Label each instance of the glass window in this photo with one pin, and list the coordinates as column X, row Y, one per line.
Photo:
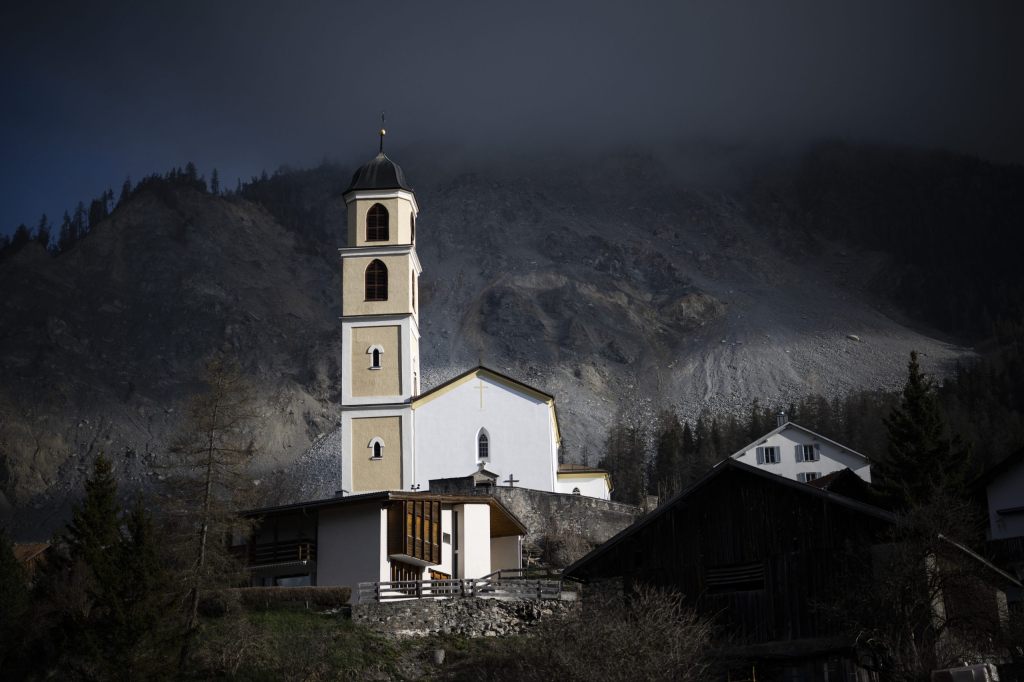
column 377, row 224
column 376, row 281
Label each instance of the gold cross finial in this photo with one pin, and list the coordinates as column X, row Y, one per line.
column 383, row 132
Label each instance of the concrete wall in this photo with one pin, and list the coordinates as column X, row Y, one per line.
column 588, row 485
column 349, row 547
column 380, row 381
column 384, row 473
column 403, row 355
column 475, row 539
column 522, row 440
column 1006, row 492
column 506, row 552
column 832, row 458
column 353, row 283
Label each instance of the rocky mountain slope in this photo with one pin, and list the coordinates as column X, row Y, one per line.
column 609, row 282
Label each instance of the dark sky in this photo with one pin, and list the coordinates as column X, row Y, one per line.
column 96, row 90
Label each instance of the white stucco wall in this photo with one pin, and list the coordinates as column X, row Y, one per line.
column 506, row 552
column 446, row 547
column 1006, row 492
column 590, row 486
column 475, row 540
column 349, row 546
column 832, row 458
column 521, row 435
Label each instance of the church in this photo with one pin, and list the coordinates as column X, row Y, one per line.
column 482, row 425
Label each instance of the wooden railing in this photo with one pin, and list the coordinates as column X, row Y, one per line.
column 495, row 588
column 280, row 552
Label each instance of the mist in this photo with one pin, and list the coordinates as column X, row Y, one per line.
column 100, row 91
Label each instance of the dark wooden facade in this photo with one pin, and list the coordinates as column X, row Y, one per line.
column 414, row 529
column 765, row 556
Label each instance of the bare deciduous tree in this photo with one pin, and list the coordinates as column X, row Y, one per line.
column 208, row 485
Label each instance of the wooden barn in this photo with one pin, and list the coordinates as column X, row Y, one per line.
column 765, row 556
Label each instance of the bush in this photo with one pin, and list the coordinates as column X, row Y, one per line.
column 221, row 602
column 650, row 635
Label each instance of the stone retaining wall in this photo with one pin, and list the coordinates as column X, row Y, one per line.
column 466, row 617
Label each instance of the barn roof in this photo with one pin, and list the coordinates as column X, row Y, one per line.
column 720, row 469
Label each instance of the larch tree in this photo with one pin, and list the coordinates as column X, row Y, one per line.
column 209, row 462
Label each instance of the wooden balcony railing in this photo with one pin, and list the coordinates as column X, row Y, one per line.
column 264, row 553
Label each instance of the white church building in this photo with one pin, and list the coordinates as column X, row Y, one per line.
column 395, row 437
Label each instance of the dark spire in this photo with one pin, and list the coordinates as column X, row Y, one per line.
column 382, row 132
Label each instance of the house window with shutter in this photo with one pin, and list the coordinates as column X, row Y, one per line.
column 808, row 476
column 808, row 453
column 769, row 454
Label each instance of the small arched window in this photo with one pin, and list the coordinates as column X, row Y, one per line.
column 374, row 352
column 576, row 491
column 377, row 224
column 412, row 228
column 376, row 448
column 376, row 281
column 483, row 446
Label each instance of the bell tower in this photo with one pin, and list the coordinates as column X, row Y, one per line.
column 380, row 327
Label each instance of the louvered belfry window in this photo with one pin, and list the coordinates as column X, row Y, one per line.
column 377, row 224
column 376, row 281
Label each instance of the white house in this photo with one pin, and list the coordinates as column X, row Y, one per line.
column 382, row 537
column 795, row 452
column 394, row 436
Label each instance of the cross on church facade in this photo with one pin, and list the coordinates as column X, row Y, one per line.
column 511, row 481
column 480, row 387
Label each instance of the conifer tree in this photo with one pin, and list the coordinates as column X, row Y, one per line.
column 22, row 236
column 126, row 191
column 92, row 532
column 624, row 459
column 214, row 183
column 667, row 457
column 922, row 459
column 14, row 597
column 43, row 232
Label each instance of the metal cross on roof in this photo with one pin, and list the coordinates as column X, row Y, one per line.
column 383, row 132
column 511, row 481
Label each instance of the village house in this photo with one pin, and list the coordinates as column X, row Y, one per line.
column 1003, row 492
column 797, row 453
column 381, row 537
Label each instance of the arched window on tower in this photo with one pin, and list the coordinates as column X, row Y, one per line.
column 483, row 446
column 376, row 448
column 412, row 228
column 377, row 224
column 376, row 281
column 375, row 353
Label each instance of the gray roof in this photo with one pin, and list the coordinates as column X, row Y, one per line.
column 380, row 173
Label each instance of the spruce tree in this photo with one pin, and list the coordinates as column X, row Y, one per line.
column 126, row 191
column 922, row 460
column 214, row 182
